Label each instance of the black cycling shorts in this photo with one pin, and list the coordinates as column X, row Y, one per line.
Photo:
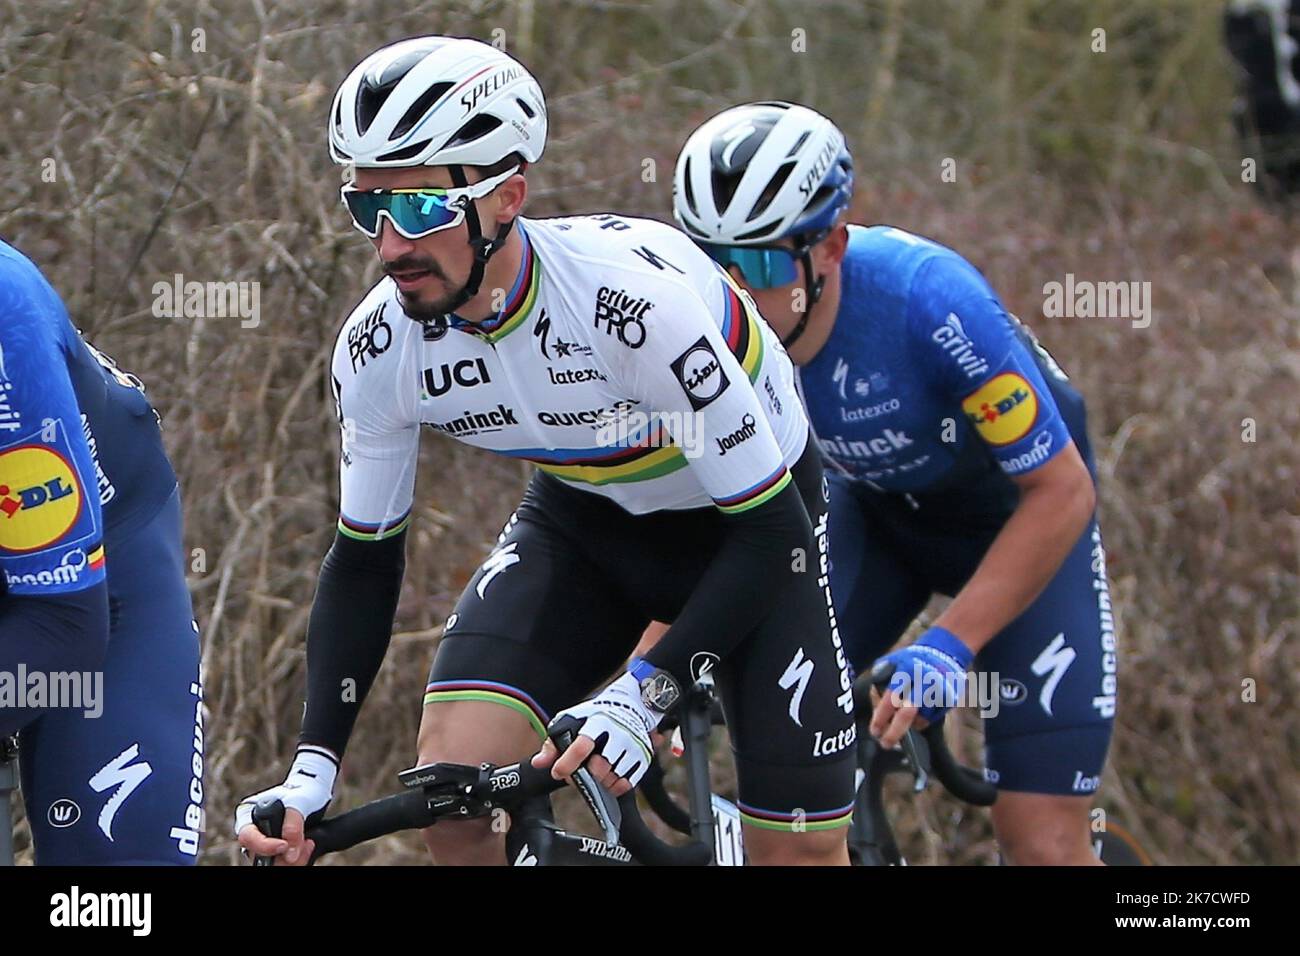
column 554, row 611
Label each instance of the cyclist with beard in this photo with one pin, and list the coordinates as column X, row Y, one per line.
column 675, row 476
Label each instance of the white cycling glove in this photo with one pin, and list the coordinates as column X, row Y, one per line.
column 620, row 724
column 308, row 788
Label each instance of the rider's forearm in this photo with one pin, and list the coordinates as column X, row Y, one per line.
column 1023, row 559
column 348, row 633
column 749, row 573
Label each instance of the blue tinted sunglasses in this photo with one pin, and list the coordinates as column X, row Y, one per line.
column 415, row 213
column 763, row 267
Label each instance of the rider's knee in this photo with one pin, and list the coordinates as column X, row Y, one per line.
column 776, row 848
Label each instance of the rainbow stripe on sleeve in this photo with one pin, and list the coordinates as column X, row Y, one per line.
column 755, row 495
column 363, row 531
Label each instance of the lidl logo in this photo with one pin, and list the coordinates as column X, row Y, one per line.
column 1003, row 410
column 40, row 499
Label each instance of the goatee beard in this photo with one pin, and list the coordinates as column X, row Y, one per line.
column 425, row 312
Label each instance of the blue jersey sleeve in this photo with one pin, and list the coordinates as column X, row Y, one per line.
column 983, row 365
column 51, row 526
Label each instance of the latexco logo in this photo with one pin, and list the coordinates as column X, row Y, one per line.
column 75, row 909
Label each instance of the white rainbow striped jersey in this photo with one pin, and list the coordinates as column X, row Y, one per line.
column 624, row 362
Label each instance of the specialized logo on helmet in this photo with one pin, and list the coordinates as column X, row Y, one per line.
column 700, row 374
column 483, row 88
column 812, row 179
column 40, row 498
column 1003, row 410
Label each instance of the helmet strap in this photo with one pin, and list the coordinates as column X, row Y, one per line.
column 814, row 289
column 483, row 247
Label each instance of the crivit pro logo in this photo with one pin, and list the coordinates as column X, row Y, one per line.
column 1003, row 410
column 40, row 499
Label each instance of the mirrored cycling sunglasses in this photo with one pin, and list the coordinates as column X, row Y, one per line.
column 416, row 213
column 763, row 267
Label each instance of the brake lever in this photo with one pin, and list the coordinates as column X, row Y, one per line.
column 911, row 746
column 602, row 804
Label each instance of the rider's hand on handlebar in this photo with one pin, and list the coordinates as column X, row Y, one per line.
column 613, row 738
column 929, row 677
column 292, row 850
column 305, row 793
column 892, row 717
column 580, row 751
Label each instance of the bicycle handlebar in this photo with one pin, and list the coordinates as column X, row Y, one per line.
column 440, row 791
column 964, row 783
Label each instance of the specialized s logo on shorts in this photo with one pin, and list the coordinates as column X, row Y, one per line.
column 1003, row 410
column 40, row 498
column 496, row 562
column 700, row 374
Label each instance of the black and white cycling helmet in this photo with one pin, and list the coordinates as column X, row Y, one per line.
column 440, row 101
column 760, row 172
column 437, row 101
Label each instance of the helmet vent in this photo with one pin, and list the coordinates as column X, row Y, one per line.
column 419, row 108
column 753, row 234
column 724, row 188
column 768, row 194
column 690, row 190
column 475, row 129
column 528, row 110
column 406, row 152
column 798, row 144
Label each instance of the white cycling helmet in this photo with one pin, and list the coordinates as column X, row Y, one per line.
column 437, row 101
column 757, row 173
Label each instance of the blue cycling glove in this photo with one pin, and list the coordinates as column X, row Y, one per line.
column 930, row 673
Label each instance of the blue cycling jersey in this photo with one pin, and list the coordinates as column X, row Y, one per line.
column 90, row 518
column 926, row 382
column 927, row 399
column 81, row 455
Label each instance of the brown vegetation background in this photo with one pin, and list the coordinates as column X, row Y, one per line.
column 204, row 154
